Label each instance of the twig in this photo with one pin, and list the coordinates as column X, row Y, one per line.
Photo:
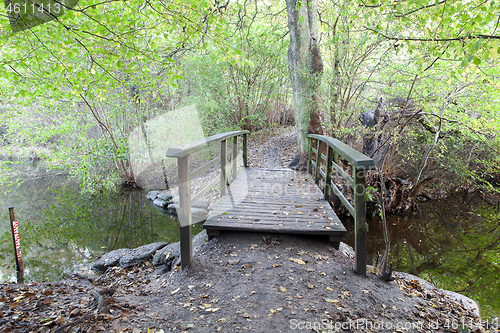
column 384, row 275
column 82, row 319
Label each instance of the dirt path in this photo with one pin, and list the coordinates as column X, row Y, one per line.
column 239, row 282
column 273, row 148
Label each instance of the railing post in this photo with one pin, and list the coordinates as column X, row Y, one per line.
column 309, row 159
column 245, row 146
column 185, row 211
column 318, row 162
column 223, row 161
column 360, row 221
column 235, row 157
column 328, row 172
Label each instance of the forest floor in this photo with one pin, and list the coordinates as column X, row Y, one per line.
column 240, row 282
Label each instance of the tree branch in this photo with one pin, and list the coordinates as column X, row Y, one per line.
column 451, row 39
column 421, row 8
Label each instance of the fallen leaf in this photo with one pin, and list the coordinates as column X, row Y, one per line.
column 331, row 300
column 282, row 289
column 298, row 261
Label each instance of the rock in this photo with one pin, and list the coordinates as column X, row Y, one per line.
column 152, row 195
column 167, row 255
column 456, row 297
column 165, row 196
column 200, row 238
column 173, row 207
column 175, row 200
column 160, row 203
column 170, row 255
column 464, row 300
column 109, row 259
column 201, row 204
column 140, row 254
column 199, row 211
column 346, row 250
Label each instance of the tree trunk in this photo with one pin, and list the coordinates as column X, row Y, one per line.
column 305, row 67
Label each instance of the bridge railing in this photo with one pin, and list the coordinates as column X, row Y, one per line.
column 360, row 163
column 183, row 154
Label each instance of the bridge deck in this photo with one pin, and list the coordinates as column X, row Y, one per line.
column 275, row 201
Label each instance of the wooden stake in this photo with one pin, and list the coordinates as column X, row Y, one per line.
column 17, row 246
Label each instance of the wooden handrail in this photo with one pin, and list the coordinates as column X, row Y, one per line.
column 360, row 164
column 193, row 147
column 183, row 154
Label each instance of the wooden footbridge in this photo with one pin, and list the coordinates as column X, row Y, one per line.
column 279, row 200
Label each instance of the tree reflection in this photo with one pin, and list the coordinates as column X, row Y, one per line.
column 454, row 244
column 75, row 229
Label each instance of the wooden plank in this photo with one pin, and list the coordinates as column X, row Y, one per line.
column 355, row 158
column 206, row 189
column 328, row 172
column 249, row 207
column 223, row 225
column 274, row 219
column 307, row 208
column 318, row 163
column 235, row 157
column 309, row 158
column 346, row 203
column 187, row 149
column 204, row 167
column 235, row 221
column 344, row 174
column 223, row 171
column 245, row 148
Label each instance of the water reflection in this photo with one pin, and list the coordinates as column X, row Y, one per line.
column 455, row 244
column 63, row 230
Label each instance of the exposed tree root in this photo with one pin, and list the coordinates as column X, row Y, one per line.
column 102, row 306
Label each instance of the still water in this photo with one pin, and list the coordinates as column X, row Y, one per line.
column 452, row 243
column 63, row 231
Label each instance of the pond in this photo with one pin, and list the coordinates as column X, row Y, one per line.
column 452, row 243
column 63, row 231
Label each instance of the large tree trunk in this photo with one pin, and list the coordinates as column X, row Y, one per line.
column 305, row 67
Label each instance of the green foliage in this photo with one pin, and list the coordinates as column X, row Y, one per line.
column 241, row 81
column 437, row 54
column 80, row 84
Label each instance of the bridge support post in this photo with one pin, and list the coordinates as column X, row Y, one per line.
column 245, row 146
column 360, row 221
column 185, row 211
column 318, row 162
column 223, row 161
column 328, row 172
column 235, row 157
column 309, row 159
